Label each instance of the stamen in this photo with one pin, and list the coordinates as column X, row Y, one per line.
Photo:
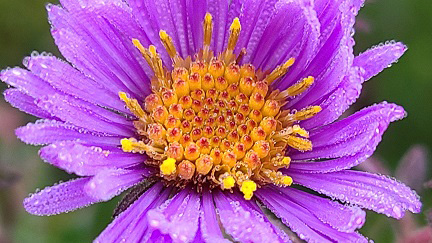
column 301, row 86
column 133, row 105
column 234, row 34
column 307, row 113
column 279, row 71
column 299, row 143
column 168, row 43
column 208, row 29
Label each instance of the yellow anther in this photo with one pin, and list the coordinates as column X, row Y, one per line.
column 132, row 105
column 299, row 143
column 168, row 43
column 301, row 86
column 228, row 182
column 248, row 187
column 234, row 34
column 208, row 29
column 307, row 113
column 300, row 131
column 286, row 180
column 279, row 71
column 168, row 166
column 127, row 145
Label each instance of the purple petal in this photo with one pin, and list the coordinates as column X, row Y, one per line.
column 334, row 57
column 338, row 216
column 27, row 82
column 208, row 220
column 219, row 10
column 109, row 183
column 50, row 131
column 131, row 225
column 69, row 80
column 359, row 132
column 338, row 101
column 378, row 58
column 83, row 160
column 105, row 52
column 86, row 115
column 379, row 193
column 61, row 198
column 243, row 223
column 178, row 216
column 303, row 222
column 25, row 103
column 296, row 28
column 366, row 65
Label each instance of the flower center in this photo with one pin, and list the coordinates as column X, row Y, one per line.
column 215, row 123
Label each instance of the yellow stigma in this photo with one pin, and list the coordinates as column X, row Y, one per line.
column 287, row 180
column 168, row 166
column 248, row 187
column 213, row 121
column 126, row 144
column 228, row 182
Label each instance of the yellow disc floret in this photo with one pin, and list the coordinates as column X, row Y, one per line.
column 213, row 121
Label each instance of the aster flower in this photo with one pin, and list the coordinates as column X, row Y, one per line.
column 210, row 111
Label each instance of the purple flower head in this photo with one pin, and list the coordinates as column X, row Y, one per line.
column 210, row 111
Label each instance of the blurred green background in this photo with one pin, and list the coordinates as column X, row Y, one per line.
column 24, row 28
